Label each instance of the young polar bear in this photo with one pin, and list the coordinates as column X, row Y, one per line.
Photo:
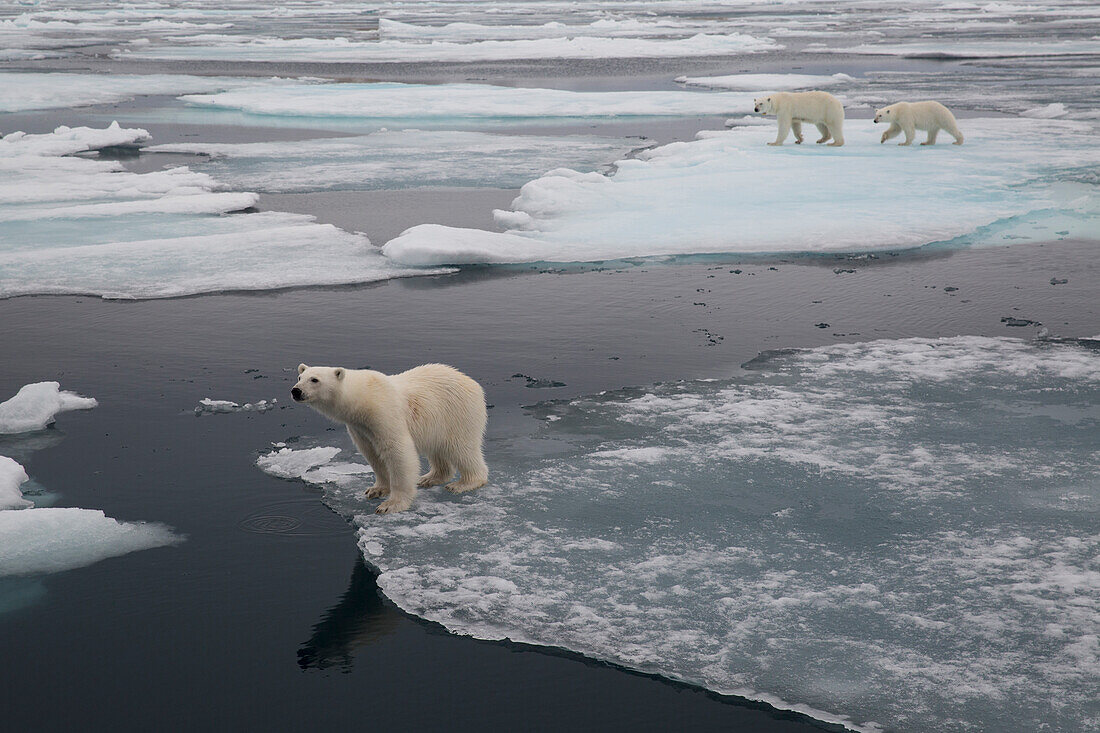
column 433, row 409
column 793, row 108
column 908, row 117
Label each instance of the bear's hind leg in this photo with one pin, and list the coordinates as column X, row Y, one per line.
column 796, row 126
column 825, row 134
column 954, row 132
column 473, row 473
column 439, row 472
column 931, row 136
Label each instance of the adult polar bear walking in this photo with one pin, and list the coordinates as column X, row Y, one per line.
column 793, row 108
column 908, row 117
column 433, row 409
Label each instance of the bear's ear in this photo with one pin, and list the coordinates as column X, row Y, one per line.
column 339, row 372
column 302, row 368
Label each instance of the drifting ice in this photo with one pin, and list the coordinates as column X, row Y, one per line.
column 36, row 405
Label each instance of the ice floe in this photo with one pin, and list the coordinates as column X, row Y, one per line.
column 12, row 476
column 21, row 91
column 392, row 100
column 725, row 192
column 399, row 159
column 343, row 49
column 765, row 82
column 86, row 226
column 893, row 534
column 36, row 405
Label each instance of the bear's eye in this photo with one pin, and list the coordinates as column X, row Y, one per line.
column 315, row 380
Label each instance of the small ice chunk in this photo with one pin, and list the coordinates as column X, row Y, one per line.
column 1046, row 112
column 51, row 540
column 208, row 406
column 291, row 463
column 12, row 476
column 34, row 407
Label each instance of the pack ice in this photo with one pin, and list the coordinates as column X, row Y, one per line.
column 398, row 159
column 729, row 191
column 86, row 226
column 896, row 534
column 36, row 540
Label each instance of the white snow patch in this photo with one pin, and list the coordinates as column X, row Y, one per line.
column 1046, row 112
column 36, row 405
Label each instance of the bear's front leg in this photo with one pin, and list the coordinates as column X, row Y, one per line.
column 381, row 480
column 784, row 130
column 892, row 131
column 910, row 134
column 398, row 455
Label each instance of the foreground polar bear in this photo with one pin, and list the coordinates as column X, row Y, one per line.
column 793, row 108
column 432, row 409
column 908, row 117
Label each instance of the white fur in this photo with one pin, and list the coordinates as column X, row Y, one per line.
column 433, row 410
column 793, row 108
column 908, row 117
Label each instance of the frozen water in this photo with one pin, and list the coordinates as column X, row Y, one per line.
column 464, row 102
column 27, row 91
column 389, row 29
column 209, row 406
column 34, row 541
column 399, row 159
column 12, row 476
column 36, row 405
column 79, row 225
column 765, row 82
column 724, row 193
column 898, row 534
column 970, row 50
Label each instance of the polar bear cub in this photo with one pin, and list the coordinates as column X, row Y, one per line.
column 793, row 108
column 434, row 410
column 908, row 117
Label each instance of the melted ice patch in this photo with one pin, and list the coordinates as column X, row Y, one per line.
column 399, row 159
column 393, row 100
column 73, row 225
column 726, row 191
column 36, row 405
column 890, row 534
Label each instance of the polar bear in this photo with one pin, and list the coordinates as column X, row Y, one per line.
column 793, row 108
column 908, row 117
column 432, row 409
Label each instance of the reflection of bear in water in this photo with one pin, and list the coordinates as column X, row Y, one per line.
column 908, row 117
column 793, row 108
column 360, row 617
column 433, row 409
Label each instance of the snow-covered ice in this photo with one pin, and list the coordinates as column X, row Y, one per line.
column 728, row 191
column 208, row 406
column 393, row 100
column 21, row 91
column 51, row 540
column 36, row 405
column 399, row 159
column 893, row 534
column 85, row 226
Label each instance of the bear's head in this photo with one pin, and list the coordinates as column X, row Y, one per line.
column 886, row 114
column 763, row 105
column 318, row 385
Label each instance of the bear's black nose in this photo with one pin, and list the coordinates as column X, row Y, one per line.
column 296, row 393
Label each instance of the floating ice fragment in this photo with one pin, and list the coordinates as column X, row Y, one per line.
column 35, row 405
column 1047, row 112
column 209, row 406
column 51, row 540
column 765, row 82
column 12, row 476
